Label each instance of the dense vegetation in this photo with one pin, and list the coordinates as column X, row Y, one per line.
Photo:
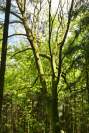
column 46, row 80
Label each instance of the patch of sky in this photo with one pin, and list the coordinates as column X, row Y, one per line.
column 18, row 28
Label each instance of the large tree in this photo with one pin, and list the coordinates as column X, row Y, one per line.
column 55, row 68
column 31, row 15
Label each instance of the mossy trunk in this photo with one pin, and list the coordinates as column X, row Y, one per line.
column 55, row 127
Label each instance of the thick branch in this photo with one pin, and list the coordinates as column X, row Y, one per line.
column 19, row 34
column 12, row 12
column 42, row 55
column 20, row 52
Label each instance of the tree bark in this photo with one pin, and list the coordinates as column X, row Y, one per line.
column 4, row 53
column 55, row 118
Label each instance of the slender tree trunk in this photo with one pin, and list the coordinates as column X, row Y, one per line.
column 54, row 105
column 87, row 82
column 4, row 53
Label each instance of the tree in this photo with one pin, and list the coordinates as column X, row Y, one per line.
column 54, row 69
column 55, row 78
column 4, row 52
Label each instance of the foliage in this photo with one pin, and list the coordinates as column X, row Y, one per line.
column 24, row 101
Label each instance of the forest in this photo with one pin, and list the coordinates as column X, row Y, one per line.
column 44, row 66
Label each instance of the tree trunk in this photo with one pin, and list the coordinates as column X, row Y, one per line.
column 4, row 53
column 55, row 118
